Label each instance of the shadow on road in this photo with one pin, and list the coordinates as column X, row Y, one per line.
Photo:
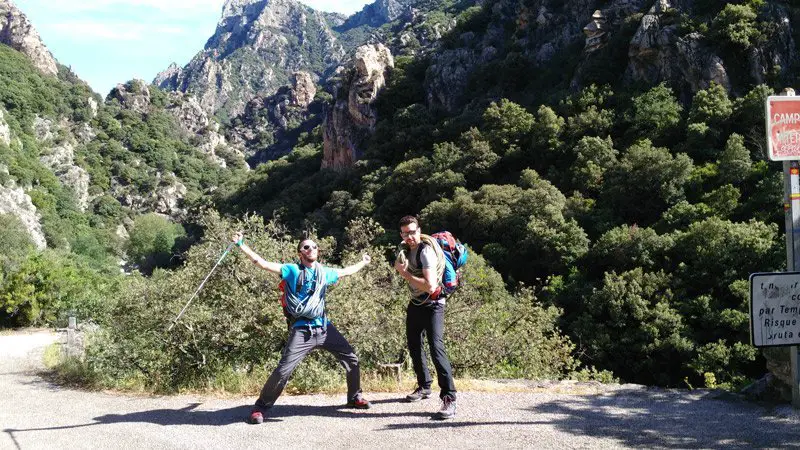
column 189, row 415
column 658, row 418
column 454, row 423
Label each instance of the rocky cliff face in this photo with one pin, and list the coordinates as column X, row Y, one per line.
column 378, row 13
column 254, row 51
column 269, row 126
column 5, row 131
column 134, row 95
column 658, row 47
column 352, row 117
column 196, row 124
column 14, row 200
column 58, row 155
column 18, row 33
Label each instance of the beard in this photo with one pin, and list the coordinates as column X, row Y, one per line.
column 307, row 260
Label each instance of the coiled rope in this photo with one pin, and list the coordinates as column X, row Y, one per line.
column 314, row 306
column 421, row 297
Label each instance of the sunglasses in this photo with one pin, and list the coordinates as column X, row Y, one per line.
column 306, row 247
column 410, row 233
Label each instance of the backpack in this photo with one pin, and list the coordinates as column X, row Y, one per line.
column 455, row 256
column 283, row 287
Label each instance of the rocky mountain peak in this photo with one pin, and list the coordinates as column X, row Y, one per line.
column 377, row 13
column 256, row 48
column 17, row 32
column 352, row 118
column 133, row 95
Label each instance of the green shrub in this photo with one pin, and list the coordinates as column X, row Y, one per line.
column 49, row 286
column 151, row 240
column 236, row 324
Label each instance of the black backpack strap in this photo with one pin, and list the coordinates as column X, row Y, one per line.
column 419, row 254
column 301, row 278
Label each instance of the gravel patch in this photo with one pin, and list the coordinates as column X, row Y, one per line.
column 37, row 414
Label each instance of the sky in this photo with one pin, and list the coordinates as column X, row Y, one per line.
column 112, row 41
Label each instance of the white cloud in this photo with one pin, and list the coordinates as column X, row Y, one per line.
column 114, row 31
column 341, row 6
column 169, row 5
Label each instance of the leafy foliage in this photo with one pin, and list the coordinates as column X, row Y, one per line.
column 237, row 322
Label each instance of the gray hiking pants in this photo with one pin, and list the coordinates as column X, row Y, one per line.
column 301, row 342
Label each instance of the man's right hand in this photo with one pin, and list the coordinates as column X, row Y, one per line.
column 237, row 238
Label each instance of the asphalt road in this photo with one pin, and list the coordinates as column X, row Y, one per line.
column 36, row 414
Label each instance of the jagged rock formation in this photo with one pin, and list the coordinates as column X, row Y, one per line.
column 5, row 131
column 595, row 32
column 60, row 158
column 194, row 122
column 14, row 200
column 18, row 33
column 254, row 51
column 414, row 26
column 659, row 49
column 304, row 90
column 657, row 53
column 353, row 117
column 377, row 14
column 134, row 95
column 166, row 198
column 168, row 75
column 269, row 126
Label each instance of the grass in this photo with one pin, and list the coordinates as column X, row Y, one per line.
column 308, row 379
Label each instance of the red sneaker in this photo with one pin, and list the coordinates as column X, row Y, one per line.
column 359, row 402
column 256, row 417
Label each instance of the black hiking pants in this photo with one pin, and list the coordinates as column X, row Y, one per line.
column 428, row 319
column 301, row 342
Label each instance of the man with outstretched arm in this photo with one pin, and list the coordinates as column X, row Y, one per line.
column 421, row 263
column 304, row 285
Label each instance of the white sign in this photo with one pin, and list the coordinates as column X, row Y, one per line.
column 775, row 309
column 783, row 127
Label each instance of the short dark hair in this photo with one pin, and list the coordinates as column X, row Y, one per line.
column 408, row 220
column 300, row 244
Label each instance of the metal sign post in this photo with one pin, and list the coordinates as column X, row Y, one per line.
column 783, row 143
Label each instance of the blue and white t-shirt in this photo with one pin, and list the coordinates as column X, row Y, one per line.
column 291, row 272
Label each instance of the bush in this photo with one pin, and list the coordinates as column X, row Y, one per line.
column 49, row 286
column 151, row 240
column 230, row 327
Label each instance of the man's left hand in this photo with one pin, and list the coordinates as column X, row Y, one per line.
column 401, row 267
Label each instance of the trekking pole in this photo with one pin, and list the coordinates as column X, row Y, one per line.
column 174, row 321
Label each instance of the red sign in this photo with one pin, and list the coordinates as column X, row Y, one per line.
column 783, row 128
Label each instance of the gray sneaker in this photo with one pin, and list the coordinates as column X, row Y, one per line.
column 418, row 395
column 448, row 410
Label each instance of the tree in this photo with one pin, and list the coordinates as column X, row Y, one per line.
column 714, row 253
column 593, row 157
column 506, row 124
column 736, row 26
column 151, row 240
column 522, row 227
column 734, row 162
column 625, row 248
column 15, row 242
column 711, row 106
column 646, row 182
column 547, row 129
column 655, row 112
column 631, row 326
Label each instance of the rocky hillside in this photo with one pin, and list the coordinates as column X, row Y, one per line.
column 17, row 32
column 76, row 170
column 254, row 51
column 259, row 44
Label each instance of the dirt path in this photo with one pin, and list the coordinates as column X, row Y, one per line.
column 36, row 414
